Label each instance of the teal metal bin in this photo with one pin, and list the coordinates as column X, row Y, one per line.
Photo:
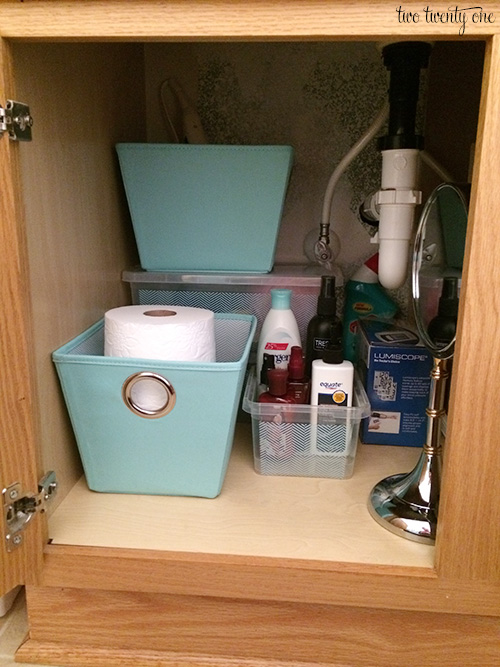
column 182, row 449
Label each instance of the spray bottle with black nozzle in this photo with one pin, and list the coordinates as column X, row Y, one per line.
column 442, row 328
column 324, row 329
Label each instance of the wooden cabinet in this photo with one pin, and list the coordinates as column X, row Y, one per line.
column 253, row 584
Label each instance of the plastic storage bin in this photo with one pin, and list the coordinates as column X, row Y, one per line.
column 302, row 440
column 230, row 293
column 184, row 452
column 205, row 208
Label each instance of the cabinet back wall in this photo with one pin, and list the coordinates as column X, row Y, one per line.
column 317, row 97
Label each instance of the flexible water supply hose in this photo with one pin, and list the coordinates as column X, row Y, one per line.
column 436, row 167
column 348, row 158
column 323, row 251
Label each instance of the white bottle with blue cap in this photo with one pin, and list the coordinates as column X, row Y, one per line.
column 279, row 332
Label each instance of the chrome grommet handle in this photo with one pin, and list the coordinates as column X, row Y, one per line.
column 141, row 411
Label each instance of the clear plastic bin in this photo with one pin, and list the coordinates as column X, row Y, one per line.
column 302, row 440
column 231, row 293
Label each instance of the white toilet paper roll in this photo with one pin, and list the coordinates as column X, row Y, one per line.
column 169, row 333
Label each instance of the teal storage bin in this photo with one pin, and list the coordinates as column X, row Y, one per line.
column 184, row 452
column 205, row 207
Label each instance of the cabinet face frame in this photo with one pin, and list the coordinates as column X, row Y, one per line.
column 469, row 524
column 467, row 548
column 19, row 457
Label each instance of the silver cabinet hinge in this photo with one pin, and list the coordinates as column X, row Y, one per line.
column 20, row 508
column 16, row 120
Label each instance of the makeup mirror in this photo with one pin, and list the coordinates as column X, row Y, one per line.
column 437, row 267
column 407, row 504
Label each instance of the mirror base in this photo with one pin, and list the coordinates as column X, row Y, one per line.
column 397, row 505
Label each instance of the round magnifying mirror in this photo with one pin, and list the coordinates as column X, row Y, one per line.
column 437, row 267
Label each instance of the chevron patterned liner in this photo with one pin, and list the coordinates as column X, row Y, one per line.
column 250, row 303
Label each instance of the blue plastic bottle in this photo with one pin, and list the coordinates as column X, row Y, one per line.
column 364, row 297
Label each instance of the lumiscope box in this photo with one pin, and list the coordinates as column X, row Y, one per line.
column 395, row 368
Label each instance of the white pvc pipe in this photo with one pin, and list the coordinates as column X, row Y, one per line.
column 396, row 203
column 396, row 213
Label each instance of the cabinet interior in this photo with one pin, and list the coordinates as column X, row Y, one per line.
column 85, row 97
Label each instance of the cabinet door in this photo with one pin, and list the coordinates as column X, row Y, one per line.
column 18, row 463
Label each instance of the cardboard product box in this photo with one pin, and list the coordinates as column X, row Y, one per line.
column 395, row 368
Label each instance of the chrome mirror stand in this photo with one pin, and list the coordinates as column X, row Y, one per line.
column 407, row 504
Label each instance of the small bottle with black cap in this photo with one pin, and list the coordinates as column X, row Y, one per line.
column 267, row 364
column 332, row 379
